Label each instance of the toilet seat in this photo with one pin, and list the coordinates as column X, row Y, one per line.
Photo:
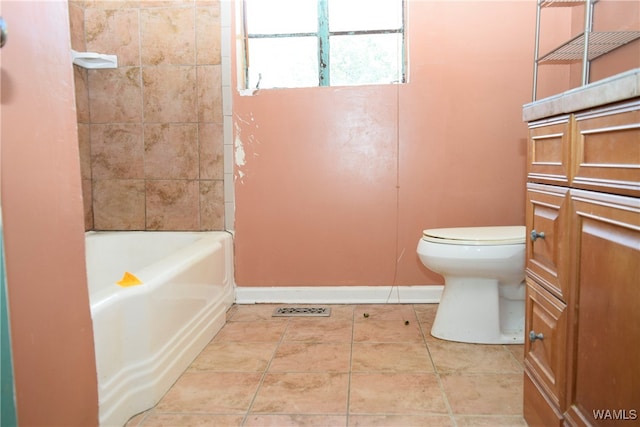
column 477, row 236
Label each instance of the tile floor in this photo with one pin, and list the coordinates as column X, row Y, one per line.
column 384, row 369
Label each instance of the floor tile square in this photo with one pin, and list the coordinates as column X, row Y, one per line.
column 426, row 314
column 320, row 329
column 258, row 331
column 484, row 394
column 302, row 393
column 371, row 330
column 395, row 357
column 472, row 358
column 491, row 421
column 233, row 356
column 191, row 420
column 311, row 357
column 401, row 312
column 264, row 420
column 517, row 350
column 211, row 392
column 395, row 393
column 400, row 421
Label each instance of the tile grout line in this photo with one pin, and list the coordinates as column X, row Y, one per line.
column 513, row 356
column 264, row 374
column 423, row 320
column 353, row 335
column 435, row 370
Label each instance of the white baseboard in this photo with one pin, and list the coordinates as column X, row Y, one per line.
column 339, row 294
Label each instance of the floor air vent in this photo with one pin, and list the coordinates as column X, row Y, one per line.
column 302, row 312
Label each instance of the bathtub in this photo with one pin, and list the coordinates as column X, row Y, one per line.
column 146, row 335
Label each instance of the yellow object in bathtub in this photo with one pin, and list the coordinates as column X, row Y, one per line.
column 129, row 280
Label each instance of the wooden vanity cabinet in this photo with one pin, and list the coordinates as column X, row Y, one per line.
column 582, row 350
column 604, row 341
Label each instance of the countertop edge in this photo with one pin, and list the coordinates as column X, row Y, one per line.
column 612, row 89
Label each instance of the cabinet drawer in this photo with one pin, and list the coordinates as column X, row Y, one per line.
column 545, row 356
column 546, row 220
column 549, row 149
column 606, row 153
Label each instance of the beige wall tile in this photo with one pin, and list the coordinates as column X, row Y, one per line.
column 165, row 3
column 211, row 147
column 114, row 32
column 87, row 200
column 84, row 146
column 76, row 24
column 117, row 151
column 170, row 94
column 215, row 3
column 111, row 4
column 80, row 77
column 167, row 36
column 209, row 93
column 211, row 205
column 172, row 205
column 115, row 95
column 118, row 204
column 208, row 35
column 161, row 122
column 171, row 151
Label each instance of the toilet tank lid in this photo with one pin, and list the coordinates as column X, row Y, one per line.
column 499, row 235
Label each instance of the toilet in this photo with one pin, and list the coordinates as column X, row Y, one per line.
column 484, row 292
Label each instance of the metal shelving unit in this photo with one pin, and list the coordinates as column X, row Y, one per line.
column 584, row 47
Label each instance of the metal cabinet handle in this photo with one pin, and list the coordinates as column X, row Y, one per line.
column 3, row 32
column 535, row 235
column 533, row 336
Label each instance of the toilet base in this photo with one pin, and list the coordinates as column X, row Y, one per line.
column 473, row 311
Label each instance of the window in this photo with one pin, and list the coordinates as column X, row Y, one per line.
column 302, row 43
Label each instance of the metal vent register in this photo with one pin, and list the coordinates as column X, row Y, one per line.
column 302, row 312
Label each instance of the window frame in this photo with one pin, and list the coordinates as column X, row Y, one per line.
column 323, row 36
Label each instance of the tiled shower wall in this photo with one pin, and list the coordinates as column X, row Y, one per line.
column 151, row 131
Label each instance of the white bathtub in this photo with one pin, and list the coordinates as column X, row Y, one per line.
column 147, row 335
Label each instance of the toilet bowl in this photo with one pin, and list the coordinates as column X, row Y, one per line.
column 483, row 269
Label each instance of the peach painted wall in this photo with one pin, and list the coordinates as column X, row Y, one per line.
column 616, row 15
column 335, row 185
column 51, row 329
column 151, row 131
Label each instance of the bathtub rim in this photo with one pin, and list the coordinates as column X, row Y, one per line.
column 111, row 293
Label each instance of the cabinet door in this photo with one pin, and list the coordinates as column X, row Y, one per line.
column 549, row 151
column 604, row 380
column 607, row 150
column 546, row 220
column 545, row 344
